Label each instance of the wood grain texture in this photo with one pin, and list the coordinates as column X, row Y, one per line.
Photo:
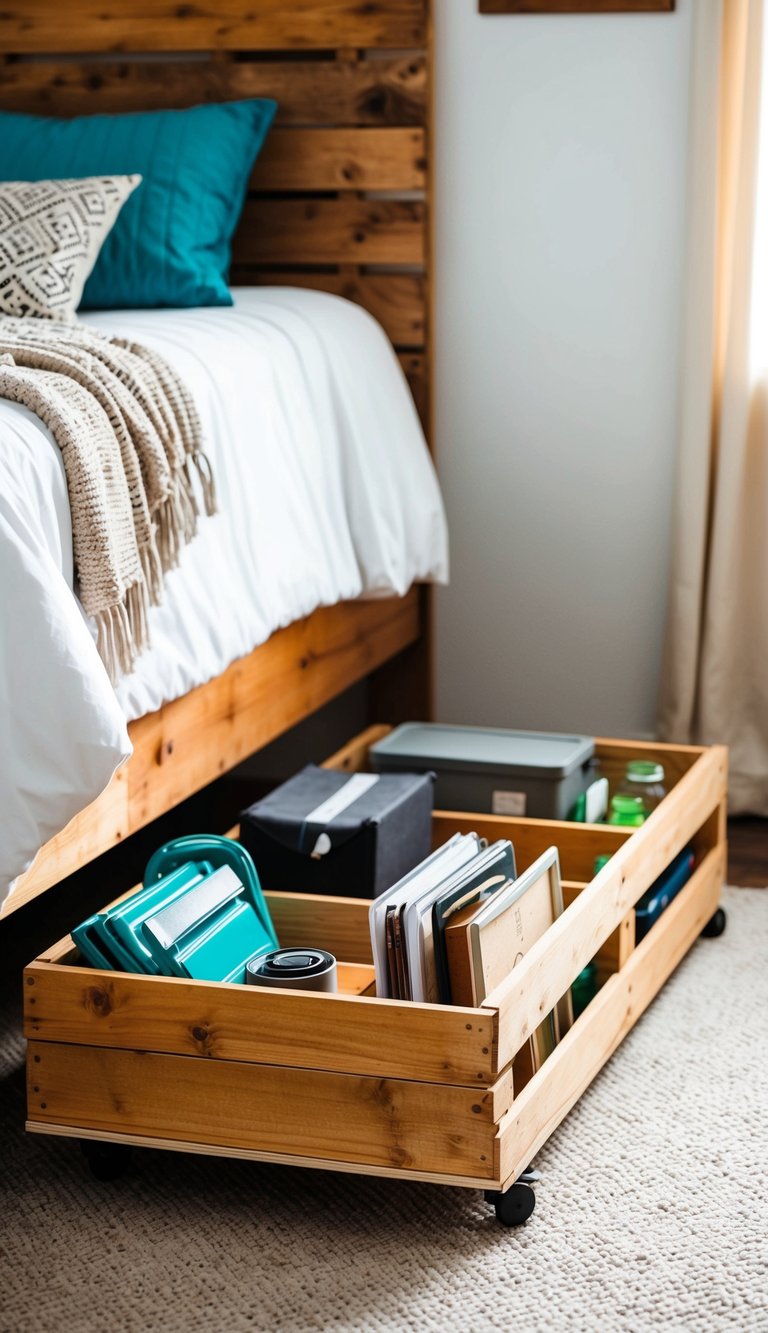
column 226, row 25
column 396, row 300
column 329, row 231
column 376, row 1121
column 613, row 954
column 341, row 159
column 339, row 925
column 341, row 1033
column 253, row 1155
column 546, row 1100
column 379, row 91
column 543, row 976
column 577, row 844
column 189, row 742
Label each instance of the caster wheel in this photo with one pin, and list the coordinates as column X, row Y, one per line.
column 514, row 1206
column 715, row 926
column 106, row 1161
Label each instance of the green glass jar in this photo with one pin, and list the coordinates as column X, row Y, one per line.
column 627, row 811
column 644, row 778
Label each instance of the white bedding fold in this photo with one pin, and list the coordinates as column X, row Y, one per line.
column 326, row 492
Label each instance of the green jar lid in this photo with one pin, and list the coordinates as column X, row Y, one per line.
column 644, row 770
column 627, row 810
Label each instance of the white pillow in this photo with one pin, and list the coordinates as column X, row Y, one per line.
column 50, row 236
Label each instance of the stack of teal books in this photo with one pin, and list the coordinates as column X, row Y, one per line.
column 201, row 913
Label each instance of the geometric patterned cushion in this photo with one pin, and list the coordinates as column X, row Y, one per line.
column 50, row 236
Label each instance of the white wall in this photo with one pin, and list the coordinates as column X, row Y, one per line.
column 560, row 183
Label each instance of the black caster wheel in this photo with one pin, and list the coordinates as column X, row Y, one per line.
column 514, row 1206
column 106, row 1161
column 715, row 926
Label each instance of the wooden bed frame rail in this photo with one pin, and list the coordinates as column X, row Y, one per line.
column 339, row 201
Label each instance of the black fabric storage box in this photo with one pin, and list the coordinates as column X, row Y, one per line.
column 303, row 842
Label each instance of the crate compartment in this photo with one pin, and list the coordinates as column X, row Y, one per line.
column 352, row 1082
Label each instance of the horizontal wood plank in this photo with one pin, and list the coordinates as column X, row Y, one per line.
column 578, row 844
column 612, row 955
column 253, row 1155
column 339, row 925
column 225, row 25
column 100, row 825
column 330, row 231
column 571, row 1067
column 379, row 91
column 341, row 1033
column 552, row 964
column 341, row 159
column 353, row 757
column 676, row 760
column 377, row 1121
column 192, row 740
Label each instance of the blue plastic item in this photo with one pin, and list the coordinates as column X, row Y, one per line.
column 201, row 913
column 211, row 931
column 653, row 902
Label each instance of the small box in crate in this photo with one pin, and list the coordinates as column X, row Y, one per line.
column 323, row 831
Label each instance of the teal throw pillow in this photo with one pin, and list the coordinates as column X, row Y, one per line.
column 171, row 243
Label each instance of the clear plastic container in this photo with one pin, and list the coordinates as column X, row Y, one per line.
column 644, row 778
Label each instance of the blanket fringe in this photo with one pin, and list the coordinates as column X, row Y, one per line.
column 205, row 473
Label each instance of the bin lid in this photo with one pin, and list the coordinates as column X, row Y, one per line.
column 540, row 754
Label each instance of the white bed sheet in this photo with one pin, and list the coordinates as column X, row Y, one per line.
column 326, row 493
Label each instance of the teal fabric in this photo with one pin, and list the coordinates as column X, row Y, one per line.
column 171, row 243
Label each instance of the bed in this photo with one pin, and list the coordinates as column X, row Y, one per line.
column 337, row 205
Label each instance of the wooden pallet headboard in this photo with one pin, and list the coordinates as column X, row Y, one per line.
column 351, row 133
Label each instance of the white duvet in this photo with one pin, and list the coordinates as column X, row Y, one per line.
column 326, row 493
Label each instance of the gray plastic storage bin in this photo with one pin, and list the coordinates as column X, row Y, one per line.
column 533, row 773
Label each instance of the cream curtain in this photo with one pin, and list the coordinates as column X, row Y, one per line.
column 715, row 671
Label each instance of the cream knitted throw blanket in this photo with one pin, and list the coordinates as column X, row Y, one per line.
column 137, row 476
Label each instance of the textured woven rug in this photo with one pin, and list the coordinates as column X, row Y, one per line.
column 651, row 1212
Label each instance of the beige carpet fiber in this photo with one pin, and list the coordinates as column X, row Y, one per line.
column 651, row 1212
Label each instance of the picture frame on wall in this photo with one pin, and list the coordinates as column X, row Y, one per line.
column 576, row 6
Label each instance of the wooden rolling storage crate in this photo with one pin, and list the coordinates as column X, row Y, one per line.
column 350, row 1082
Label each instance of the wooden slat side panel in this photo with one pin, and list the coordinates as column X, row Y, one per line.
column 226, row 25
column 341, row 159
column 382, row 1122
column 545, row 973
column 545, row 1101
column 253, row 1155
column 329, row 231
column 342, row 1033
column 577, row 844
column 612, row 955
column 676, row 760
column 339, row 925
column 192, row 740
column 383, row 91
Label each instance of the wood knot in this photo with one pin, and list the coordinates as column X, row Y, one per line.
column 99, row 1000
column 203, row 1038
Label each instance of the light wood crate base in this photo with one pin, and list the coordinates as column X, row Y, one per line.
column 354, row 1083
